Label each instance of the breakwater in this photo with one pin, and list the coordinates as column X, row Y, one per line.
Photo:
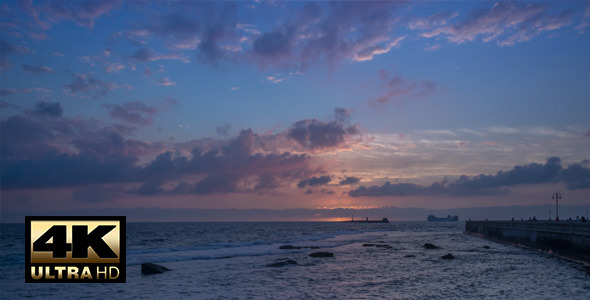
column 565, row 238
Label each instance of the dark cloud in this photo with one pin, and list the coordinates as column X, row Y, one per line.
column 137, row 113
column 88, row 86
column 275, row 47
column 314, row 181
column 83, row 13
column 328, row 34
column 7, row 49
column 219, row 26
column 31, row 135
column 60, row 169
column 24, row 136
column 223, row 130
column 37, row 69
column 342, row 114
column 48, row 109
column 6, row 104
column 40, row 152
column 144, row 55
column 177, row 25
column 576, row 176
column 315, row 134
column 350, row 180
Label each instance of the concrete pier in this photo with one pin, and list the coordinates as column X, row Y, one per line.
column 565, row 238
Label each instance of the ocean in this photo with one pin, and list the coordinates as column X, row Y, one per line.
column 234, row 261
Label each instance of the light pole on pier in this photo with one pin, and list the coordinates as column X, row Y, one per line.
column 556, row 196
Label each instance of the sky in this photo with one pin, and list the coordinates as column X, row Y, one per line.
column 277, row 105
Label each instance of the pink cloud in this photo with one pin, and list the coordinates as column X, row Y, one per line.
column 397, row 87
column 506, row 23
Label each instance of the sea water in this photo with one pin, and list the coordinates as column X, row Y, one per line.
column 231, row 261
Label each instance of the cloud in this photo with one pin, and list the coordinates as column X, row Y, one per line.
column 506, row 23
column 83, row 13
column 7, row 105
column 39, row 152
column 232, row 168
column 165, row 81
column 314, row 134
column 329, row 34
column 369, row 53
column 148, row 55
column 350, row 180
column 49, row 109
column 314, row 181
column 576, row 176
column 7, row 92
column 37, row 69
column 223, row 130
column 397, row 87
column 7, row 49
column 274, row 79
column 136, row 113
column 435, row 20
column 88, row 86
column 342, row 114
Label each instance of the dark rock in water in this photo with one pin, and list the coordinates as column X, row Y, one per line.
column 410, row 255
column 448, row 256
column 282, row 263
column 486, row 247
column 321, row 254
column 150, row 269
column 289, row 247
column 369, row 245
column 312, row 247
column 430, row 246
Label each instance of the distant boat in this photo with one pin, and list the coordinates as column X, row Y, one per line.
column 449, row 218
column 366, row 220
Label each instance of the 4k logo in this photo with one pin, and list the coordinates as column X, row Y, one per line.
column 75, row 249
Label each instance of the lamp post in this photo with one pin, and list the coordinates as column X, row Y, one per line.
column 556, row 196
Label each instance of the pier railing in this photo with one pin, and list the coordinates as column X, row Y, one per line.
column 576, row 228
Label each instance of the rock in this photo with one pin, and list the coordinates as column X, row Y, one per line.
column 282, row 263
column 368, row 245
column 430, row 246
column 321, row 254
column 289, row 247
column 410, row 255
column 312, row 247
column 150, row 269
column 448, row 256
column 486, row 247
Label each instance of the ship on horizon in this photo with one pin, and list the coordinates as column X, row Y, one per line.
column 366, row 220
column 449, row 218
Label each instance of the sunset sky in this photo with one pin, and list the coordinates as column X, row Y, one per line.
column 283, row 105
